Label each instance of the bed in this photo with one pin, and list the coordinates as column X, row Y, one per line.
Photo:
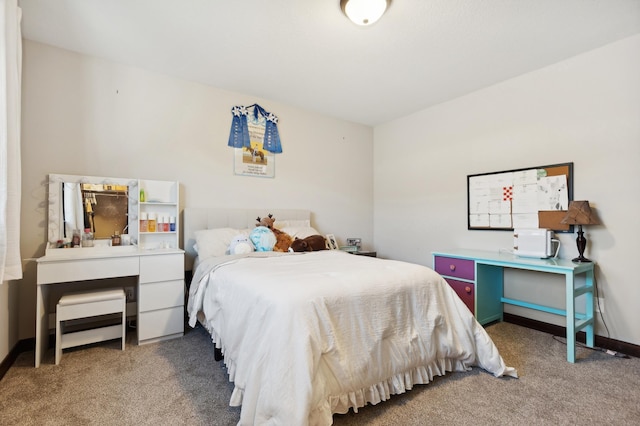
column 307, row 335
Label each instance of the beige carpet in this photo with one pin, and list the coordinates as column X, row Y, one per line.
column 178, row 382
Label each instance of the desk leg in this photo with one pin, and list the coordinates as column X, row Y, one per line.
column 571, row 318
column 590, row 329
column 42, row 323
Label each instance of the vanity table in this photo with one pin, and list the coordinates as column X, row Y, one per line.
column 114, row 206
column 160, row 288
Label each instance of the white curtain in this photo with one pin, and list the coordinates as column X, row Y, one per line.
column 10, row 178
column 73, row 208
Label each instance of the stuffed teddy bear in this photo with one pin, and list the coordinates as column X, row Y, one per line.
column 283, row 240
column 310, row 243
column 241, row 244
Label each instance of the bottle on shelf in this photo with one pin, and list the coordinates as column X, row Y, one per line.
column 144, row 223
column 115, row 239
column 87, row 238
column 172, row 224
column 143, row 198
column 76, row 238
column 151, row 223
column 160, row 224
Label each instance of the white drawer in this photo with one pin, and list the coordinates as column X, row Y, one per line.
column 160, row 295
column 156, row 324
column 161, row 267
column 86, row 269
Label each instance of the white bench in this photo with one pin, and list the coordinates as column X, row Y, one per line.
column 87, row 304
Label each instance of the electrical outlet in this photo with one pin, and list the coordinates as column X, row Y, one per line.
column 130, row 293
column 600, row 305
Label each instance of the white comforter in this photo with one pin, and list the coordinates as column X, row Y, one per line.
column 307, row 335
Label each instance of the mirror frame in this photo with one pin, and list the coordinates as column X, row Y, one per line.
column 55, row 201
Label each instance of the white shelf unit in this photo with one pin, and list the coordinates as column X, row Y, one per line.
column 161, row 199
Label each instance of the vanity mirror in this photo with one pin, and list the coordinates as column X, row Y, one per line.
column 104, row 205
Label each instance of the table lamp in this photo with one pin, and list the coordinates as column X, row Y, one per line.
column 579, row 213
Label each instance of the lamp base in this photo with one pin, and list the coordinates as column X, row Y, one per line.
column 581, row 241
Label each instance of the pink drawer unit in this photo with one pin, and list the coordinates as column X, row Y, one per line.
column 466, row 292
column 455, row 267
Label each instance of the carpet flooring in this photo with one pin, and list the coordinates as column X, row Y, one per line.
column 177, row 382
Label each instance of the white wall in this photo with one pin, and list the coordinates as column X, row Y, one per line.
column 82, row 115
column 85, row 116
column 584, row 110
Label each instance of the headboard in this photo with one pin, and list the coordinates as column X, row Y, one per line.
column 196, row 218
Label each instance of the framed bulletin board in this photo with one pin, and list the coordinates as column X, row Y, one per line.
column 535, row 197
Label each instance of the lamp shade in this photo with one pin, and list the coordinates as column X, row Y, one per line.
column 580, row 213
column 364, row 12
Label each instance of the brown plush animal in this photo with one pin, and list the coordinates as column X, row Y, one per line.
column 283, row 240
column 310, row 243
column 266, row 221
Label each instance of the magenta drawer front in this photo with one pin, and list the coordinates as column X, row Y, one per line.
column 454, row 267
column 465, row 291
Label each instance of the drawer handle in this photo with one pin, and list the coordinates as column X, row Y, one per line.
column 452, row 267
column 467, row 289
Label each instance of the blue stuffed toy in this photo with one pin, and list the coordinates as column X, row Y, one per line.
column 263, row 238
column 241, row 244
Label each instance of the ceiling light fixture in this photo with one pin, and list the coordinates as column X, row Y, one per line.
column 364, row 12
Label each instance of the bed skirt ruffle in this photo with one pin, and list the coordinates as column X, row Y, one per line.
column 340, row 404
column 237, row 394
column 382, row 391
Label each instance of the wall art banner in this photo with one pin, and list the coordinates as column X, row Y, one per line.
column 254, row 135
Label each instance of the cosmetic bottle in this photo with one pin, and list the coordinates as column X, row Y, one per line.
column 151, row 222
column 144, row 223
column 172, row 224
column 76, row 238
column 87, row 238
column 115, row 239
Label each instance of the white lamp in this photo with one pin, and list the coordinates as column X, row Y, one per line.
column 364, row 12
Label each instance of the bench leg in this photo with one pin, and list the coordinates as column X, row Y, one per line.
column 58, row 341
column 124, row 322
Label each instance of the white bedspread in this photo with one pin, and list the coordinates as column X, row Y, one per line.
column 307, row 335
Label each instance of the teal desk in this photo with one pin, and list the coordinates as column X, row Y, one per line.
column 478, row 278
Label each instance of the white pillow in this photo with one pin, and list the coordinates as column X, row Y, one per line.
column 215, row 242
column 300, row 231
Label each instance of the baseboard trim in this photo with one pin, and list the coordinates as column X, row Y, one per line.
column 557, row 330
column 22, row 346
